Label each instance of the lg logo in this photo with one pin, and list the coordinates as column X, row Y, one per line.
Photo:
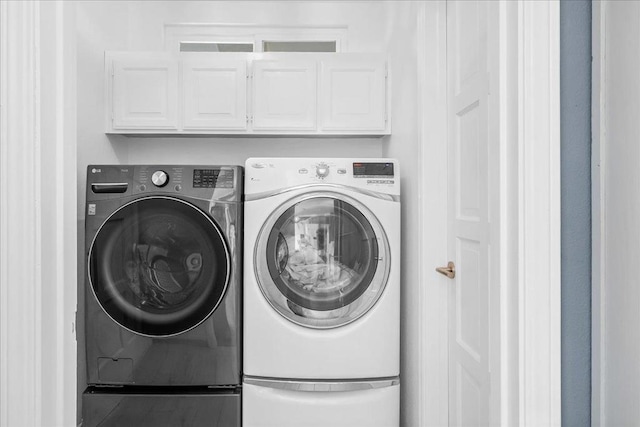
column 94, row 170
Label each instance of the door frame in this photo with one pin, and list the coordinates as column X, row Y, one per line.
column 38, row 220
column 526, row 155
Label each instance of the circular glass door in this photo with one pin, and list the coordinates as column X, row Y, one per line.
column 159, row 266
column 322, row 260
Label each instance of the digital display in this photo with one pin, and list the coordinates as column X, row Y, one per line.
column 364, row 170
column 212, row 178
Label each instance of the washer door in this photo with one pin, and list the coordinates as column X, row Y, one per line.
column 159, row 266
column 322, row 260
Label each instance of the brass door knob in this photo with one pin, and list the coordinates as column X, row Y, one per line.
column 449, row 270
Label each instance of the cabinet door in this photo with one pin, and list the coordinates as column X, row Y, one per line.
column 353, row 94
column 214, row 94
column 284, row 94
column 145, row 93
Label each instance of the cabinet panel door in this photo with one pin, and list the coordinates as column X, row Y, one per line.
column 145, row 93
column 284, row 94
column 214, row 94
column 353, row 94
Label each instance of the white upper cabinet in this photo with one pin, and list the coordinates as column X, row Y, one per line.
column 214, row 93
column 353, row 94
column 144, row 93
column 284, row 94
column 247, row 93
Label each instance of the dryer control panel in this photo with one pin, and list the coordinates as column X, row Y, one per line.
column 372, row 170
column 264, row 175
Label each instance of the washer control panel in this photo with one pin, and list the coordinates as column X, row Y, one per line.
column 199, row 181
column 212, row 178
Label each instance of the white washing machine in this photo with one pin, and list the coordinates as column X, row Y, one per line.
column 321, row 292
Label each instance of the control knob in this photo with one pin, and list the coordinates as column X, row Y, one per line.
column 160, row 178
column 322, row 170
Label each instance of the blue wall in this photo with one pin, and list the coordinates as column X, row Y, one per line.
column 575, row 99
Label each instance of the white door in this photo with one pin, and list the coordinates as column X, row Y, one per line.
column 214, row 93
column 145, row 93
column 284, row 94
column 468, row 216
column 353, row 94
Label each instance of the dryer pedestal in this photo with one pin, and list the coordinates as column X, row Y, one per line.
column 264, row 406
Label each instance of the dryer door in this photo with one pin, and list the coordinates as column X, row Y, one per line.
column 159, row 266
column 322, row 260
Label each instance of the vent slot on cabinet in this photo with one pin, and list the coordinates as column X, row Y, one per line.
column 215, row 47
column 298, row 46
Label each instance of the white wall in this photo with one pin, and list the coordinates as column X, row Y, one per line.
column 404, row 144
column 372, row 27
